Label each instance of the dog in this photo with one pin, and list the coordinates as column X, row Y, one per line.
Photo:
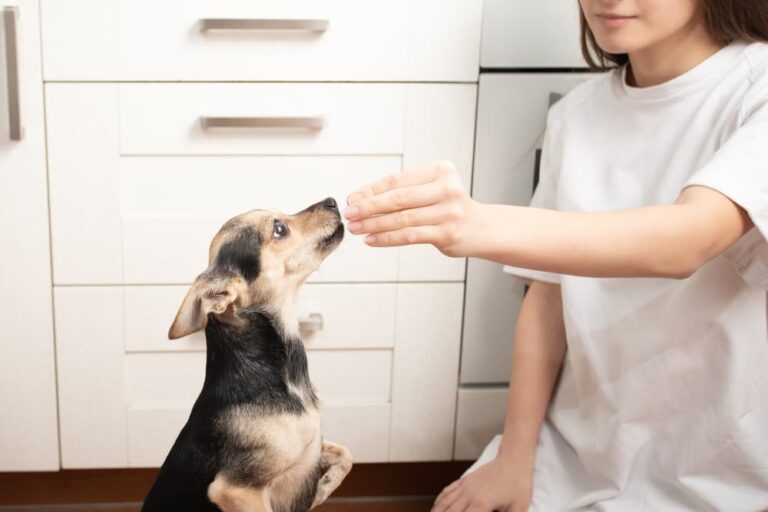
column 253, row 440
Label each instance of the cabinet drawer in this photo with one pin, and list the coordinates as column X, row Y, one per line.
column 391, row 399
column 149, row 311
column 327, row 119
column 479, row 417
column 340, row 376
column 322, row 40
column 511, row 119
column 543, row 34
column 123, row 215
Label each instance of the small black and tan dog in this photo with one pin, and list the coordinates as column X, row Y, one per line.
column 253, row 441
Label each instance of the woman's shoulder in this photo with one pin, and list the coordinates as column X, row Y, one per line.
column 756, row 96
column 595, row 86
column 756, row 55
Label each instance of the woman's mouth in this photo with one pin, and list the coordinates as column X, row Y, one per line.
column 614, row 20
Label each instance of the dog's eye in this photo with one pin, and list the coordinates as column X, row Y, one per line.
column 281, row 230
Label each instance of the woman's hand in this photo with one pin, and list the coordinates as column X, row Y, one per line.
column 499, row 485
column 426, row 205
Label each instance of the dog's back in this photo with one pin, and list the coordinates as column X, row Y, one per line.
column 190, row 467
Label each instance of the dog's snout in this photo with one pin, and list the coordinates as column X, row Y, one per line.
column 331, row 204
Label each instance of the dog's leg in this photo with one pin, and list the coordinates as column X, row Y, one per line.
column 336, row 461
column 233, row 498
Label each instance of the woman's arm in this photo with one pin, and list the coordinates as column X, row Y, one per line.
column 507, row 482
column 430, row 205
column 538, row 354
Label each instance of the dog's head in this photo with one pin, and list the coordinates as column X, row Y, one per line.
column 259, row 258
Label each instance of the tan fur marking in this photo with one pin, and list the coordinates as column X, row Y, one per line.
column 338, row 462
column 231, row 498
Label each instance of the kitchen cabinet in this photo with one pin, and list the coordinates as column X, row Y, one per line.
column 28, row 417
column 511, row 119
column 531, row 35
column 144, row 167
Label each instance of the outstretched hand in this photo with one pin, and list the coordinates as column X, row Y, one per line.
column 425, row 205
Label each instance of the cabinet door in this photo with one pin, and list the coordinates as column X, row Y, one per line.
column 480, row 416
column 28, row 427
column 540, row 34
column 510, row 124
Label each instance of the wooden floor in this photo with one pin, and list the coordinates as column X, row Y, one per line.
column 400, row 487
column 384, row 504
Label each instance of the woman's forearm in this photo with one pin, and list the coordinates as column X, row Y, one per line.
column 429, row 205
column 537, row 358
column 655, row 241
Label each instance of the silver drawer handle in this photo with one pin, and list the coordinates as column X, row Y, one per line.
column 304, row 123
column 311, row 324
column 262, row 24
column 11, row 58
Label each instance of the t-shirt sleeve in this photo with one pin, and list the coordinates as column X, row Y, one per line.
column 739, row 170
column 545, row 196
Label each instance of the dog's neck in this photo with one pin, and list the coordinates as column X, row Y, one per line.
column 246, row 361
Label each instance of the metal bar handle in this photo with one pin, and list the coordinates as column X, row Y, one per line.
column 263, row 24
column 311, row 323
column 10, row 15
column 304, row 123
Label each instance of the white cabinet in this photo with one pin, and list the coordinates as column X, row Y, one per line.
column 480, row 415
column 142, row 174
column 245, row 40
column 511, row 119
column 539, row 34
column 385, row 373
column 28, row 421
column 512, row 112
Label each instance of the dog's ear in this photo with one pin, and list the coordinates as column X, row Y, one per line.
column 210, row 293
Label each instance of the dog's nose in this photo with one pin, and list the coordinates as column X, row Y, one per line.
column 330, row 203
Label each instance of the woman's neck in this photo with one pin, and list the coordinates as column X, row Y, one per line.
column 673, row 56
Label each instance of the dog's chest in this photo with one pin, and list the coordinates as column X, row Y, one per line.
column 288, row 438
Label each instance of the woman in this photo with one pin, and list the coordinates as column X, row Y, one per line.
column 646, row 247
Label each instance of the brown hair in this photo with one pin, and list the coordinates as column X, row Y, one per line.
column 727, row 20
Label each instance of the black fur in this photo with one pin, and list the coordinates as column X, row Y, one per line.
column 251, row 366
column 241, row 253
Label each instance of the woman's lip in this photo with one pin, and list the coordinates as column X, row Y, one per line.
column 614, row 20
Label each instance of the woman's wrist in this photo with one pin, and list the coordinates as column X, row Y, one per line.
column 522, row 459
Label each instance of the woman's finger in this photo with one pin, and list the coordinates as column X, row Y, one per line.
column 407, row 236
column 460, row 505
column 395, row 200
column 447, row 496
column 408, row 178
column 450, row 488
column 414, row 217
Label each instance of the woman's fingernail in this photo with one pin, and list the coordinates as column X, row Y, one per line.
column 370, row 239
column 354, row 198
column 355, row 226
column 351, row 212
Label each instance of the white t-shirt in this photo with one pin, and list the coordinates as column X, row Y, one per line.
column 663, row 399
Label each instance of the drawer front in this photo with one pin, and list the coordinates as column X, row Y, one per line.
column 121, row 214
column 512, row 114
column 122, row 402
column 171, row 209
column 167, row 379
column 542, row 34
column 327, row 119
column 323, row 40
column 149, row 311
column 479, row 417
